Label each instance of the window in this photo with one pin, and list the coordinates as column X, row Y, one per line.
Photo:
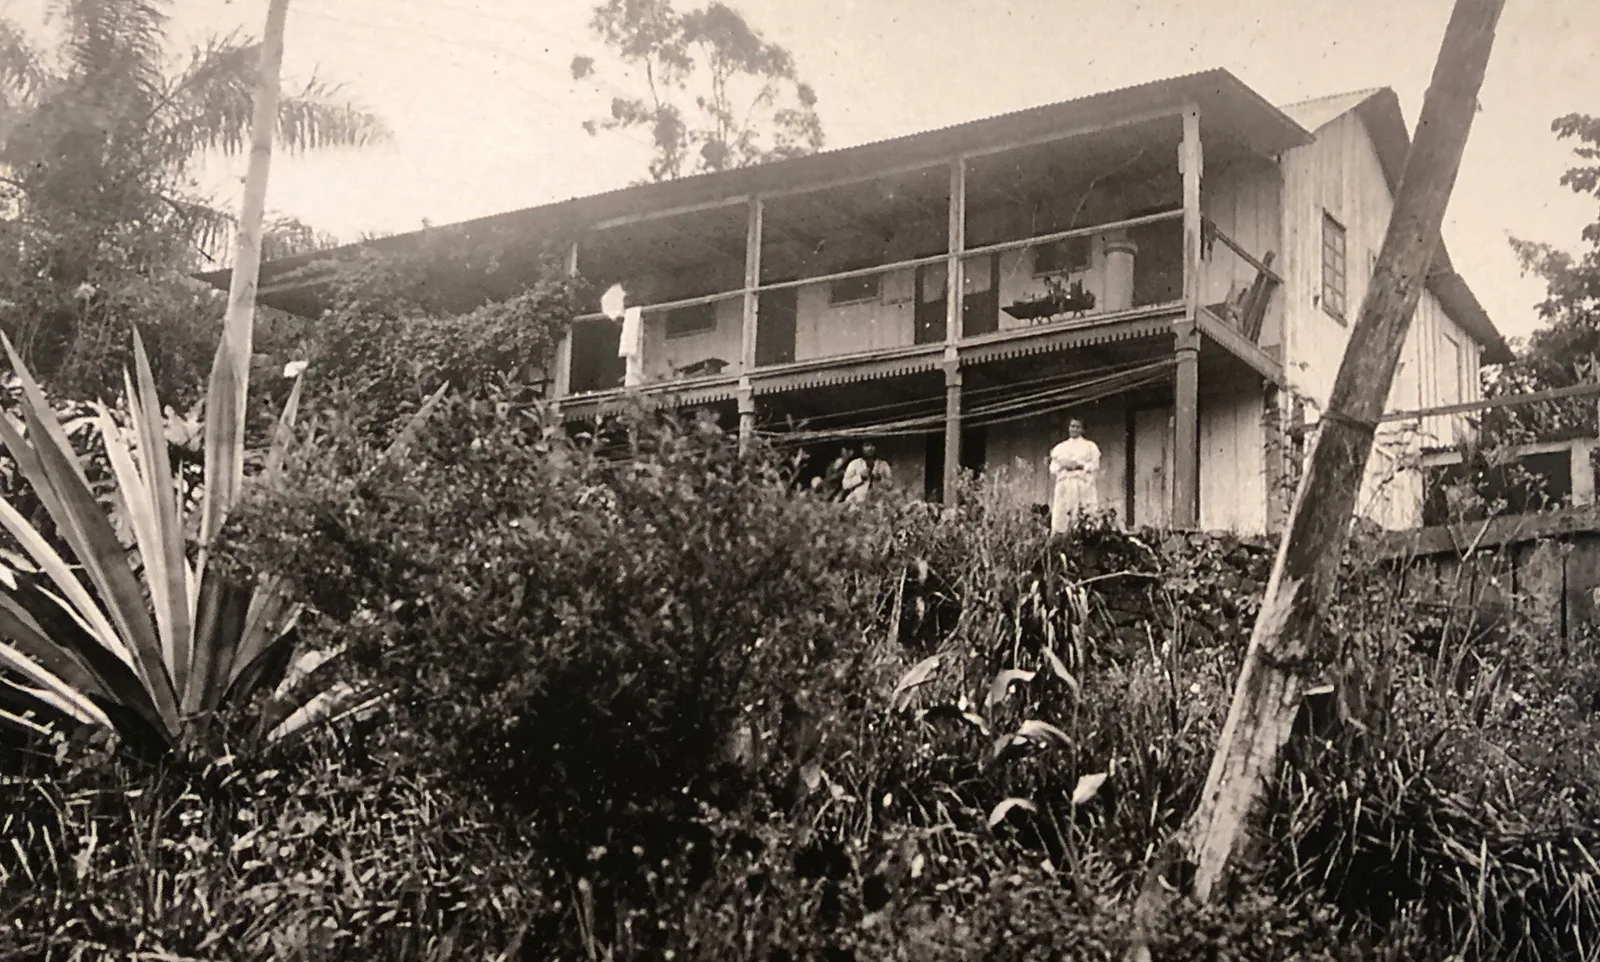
column 852, row 290
column 1333, row 267
column 693, row 319
column 1454, row 381
column 1062, row 257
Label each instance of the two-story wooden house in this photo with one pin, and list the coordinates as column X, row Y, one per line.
column 1177, row 263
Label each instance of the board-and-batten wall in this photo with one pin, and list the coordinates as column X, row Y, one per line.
column 1340, row 175
column 1233, row 486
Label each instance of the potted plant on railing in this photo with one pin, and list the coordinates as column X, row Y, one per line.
column 1059, row 298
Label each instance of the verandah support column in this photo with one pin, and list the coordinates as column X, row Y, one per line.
column 747, row 331
column 1186, row 337
column 752, row 283
column 952, row 428
column 747, row 415
column 561, row 377
column 956, row 242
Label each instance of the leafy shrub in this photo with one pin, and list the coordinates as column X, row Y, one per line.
column 595, row 643
column 742, row 723
column 310, row 857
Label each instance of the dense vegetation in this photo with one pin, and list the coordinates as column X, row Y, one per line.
column 642, row 699
column 658, row 703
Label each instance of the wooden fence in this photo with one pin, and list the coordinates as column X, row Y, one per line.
column 1543, row 566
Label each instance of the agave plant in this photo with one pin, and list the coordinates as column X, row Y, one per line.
column 149, row 639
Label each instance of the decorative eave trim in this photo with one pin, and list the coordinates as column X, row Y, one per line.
column 1087, row 335
column 669, row 395
column 844, row 371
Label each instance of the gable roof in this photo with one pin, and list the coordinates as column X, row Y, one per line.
column 1378, row 108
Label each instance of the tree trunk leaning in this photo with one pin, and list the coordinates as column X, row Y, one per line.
column 1287, row 653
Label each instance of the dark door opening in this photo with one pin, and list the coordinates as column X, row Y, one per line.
column 980, row 309
column 974, row 457
column 931, row 300
column 777, row 315
column 595, row 364
column 1158, row 267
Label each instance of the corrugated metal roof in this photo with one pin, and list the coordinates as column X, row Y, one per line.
column 1236, row 108
column 1242, row 111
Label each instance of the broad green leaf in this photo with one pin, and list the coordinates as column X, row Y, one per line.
column 282, row 435
column 75, row 598
column 137, row 503
column 44, row 627
column 52, row 691
column 1060, row 670
column 1043, row 733
column 23, row 632
column 33, row 400
column 224, row 447
column 166, row 562
column 270, row 617
column 219, row 621
column 402, row 441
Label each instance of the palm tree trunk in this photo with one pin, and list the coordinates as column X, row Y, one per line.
column 229, row 388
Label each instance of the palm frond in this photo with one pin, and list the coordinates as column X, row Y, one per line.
column 208, row 229
column 22, row 67
column 115, row 46
column 320, row 117
column 208, row 106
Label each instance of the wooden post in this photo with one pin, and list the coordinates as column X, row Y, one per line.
column 952, row 428
column 1273, row 452
column 956, row 242
column 1288, row 653
column 747, row 414
column 1186, row 403
column 752, row 283
column 561, row 380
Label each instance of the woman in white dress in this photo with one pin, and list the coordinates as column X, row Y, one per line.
column 1074, row 464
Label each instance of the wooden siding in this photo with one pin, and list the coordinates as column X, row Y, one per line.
column 1019, row 454
column 663, row 354
column 1245, row 201
column 1233, row 463
column 1340, row 174
column 824, row 330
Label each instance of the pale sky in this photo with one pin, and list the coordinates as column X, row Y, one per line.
column 487, row 117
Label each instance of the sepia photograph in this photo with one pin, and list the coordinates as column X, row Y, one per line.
column 824, row 481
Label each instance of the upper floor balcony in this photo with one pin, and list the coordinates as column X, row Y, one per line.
column 1015, row 242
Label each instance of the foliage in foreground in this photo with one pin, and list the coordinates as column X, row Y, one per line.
column 693, row 713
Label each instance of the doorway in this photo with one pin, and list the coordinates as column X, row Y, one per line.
column 777, row 316
column 974, row 455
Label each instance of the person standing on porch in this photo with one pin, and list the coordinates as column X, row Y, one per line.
column 1075, row 466
column 865, row 474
